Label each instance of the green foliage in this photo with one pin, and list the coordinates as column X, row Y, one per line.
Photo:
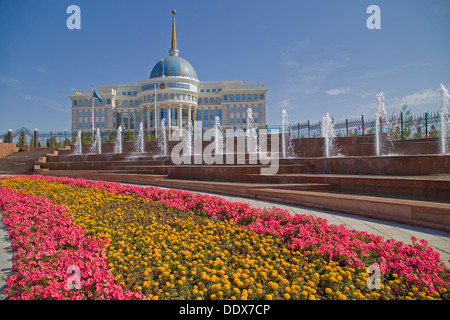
column 129, row 136
column 22, row 139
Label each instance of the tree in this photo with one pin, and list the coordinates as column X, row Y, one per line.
column 434, row 132
column 112, row 137
column 408, row 122
column 87, row 138
column 83, row 138
column 129, row 136
column 22, row 139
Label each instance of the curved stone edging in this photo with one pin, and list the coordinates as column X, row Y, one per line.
column 6, row 254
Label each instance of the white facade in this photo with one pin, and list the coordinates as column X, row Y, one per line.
column 173, row 93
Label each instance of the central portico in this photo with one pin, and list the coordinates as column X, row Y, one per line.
column 170, row 93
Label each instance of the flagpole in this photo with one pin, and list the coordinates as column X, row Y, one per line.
column 156, row 117
column 93, row 114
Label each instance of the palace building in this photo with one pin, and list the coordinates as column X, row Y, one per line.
column 172, row 95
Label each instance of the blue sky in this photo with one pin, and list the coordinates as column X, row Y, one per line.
column 313, row 56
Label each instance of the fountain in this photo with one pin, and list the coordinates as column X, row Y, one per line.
column 78, row 146
column 286, row 142
column 381, row 117
column 118, row 142
column 218, row 136
column 162, row 141
column 189, row 137
column 97, row 145
column 139, row 143
column 444, row 117
column 252, row 137
column 327, row 129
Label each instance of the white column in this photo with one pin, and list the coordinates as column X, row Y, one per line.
column 169, row 118
column 180, row 116
column 189, row 114
column 148, row 117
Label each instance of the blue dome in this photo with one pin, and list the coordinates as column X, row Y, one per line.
column 174, row 66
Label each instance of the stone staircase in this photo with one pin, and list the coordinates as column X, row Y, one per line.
column 22, row 162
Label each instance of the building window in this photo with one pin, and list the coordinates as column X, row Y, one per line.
column 261, row 97
column 256, row 120
column 225, row 98
column 211, row 100
column 183, row 97
column 237, row 97
column 231, row 109
column 171, row 96
column 74, row 102
column 243, row 97
column 256, row 108
column 249, row 97
column 134, row 93
column 231, row 97
column 166, row 96
column 131, row 102
column 159, row 96
column 231, row 121
column 217, row 100
column 207, row 90
column 108, row 101
column 81, row 125
column 255, row 97
column 200, row 100
column 103, row 124
column 213, row 90
column 125, row 103
column 202, row 90
column 238, row 121
column 103, row 113
column 86, row 103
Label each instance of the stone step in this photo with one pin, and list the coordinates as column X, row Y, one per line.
column 418, row 213
column 137, row 178
column 235, row 188
column 428, row 188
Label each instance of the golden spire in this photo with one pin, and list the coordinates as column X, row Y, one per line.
column 173, row 50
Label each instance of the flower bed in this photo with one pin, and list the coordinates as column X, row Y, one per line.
column 183, row 245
